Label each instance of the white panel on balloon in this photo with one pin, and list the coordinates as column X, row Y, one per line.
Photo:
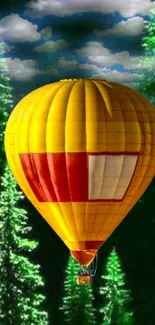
column 110, row 175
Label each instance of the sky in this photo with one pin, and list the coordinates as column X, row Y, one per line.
column 45, row 41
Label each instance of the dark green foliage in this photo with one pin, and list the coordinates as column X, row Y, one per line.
column 20, row 281
column 6, row 104
column 116, row 297
column 146, row 84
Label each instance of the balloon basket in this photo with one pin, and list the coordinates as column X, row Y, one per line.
column 84, row 279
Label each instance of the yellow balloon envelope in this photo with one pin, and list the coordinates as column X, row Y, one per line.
column 83, row 152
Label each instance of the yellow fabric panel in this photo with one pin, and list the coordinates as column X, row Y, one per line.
column 56, row 123
column 92, row 118
column 38, row 122
column 75, row 130
column 111, row 127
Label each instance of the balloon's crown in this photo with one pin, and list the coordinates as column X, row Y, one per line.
column 105, row 82
column 74, row 79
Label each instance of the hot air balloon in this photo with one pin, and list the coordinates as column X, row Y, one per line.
column 83, row 152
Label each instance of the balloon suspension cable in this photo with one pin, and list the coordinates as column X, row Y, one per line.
column 92, row 268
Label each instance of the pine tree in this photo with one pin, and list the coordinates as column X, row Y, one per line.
column 6, row 104
column 148, row 41
column 116, row 297
column 20, row 282
column 146, row 83
column 77, row 303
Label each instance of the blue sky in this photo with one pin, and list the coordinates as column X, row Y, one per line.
column 46, row 41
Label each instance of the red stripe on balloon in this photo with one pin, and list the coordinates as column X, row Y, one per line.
column 35, row 168
column 77, row 173
column 60, row 177
column 57, row 177
column 93, row 244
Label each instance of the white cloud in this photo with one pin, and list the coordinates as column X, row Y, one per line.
column 126, row 8
column 51, row 46
column 46, row 33
column 115, row 75
column 96, row 53
column 67, row 64
column 105, row 73
column 132, row 26
column 22, row 70
column 16, row 29
column 99, row 72
column 5, row 48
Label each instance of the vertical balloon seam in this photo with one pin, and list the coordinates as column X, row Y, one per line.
column 47, row 159
column 105, row 82
column 143, row 101
column 100, row 86
column 109, row 204
column 124, row 149
column 10, row 158
column 67, row 173
column 85, row 235
column 121, row 170
column 126, row 94
column 121, row 110
column 59, row 203
column 65, row 160
column 55, row 91
column 87, row 167
column 95, row 95
column 47, row 95
column 86, row 83
column 32, row 162
column 46, row 153
column 20, row 122
column 96, row 90
column 143, row 132
column 85, row 116
column 31, row 155
column 100, row 93
column 47, row 117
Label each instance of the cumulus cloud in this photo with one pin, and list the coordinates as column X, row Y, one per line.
column 16, row 29
column 51, row 46
column 67, row 64
column 113, row 75
column 127, row 8
column 96, row 53
column 130, row 27
column 22, row 70
column 99, row 72
column 109, row 74
column 46, row 33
